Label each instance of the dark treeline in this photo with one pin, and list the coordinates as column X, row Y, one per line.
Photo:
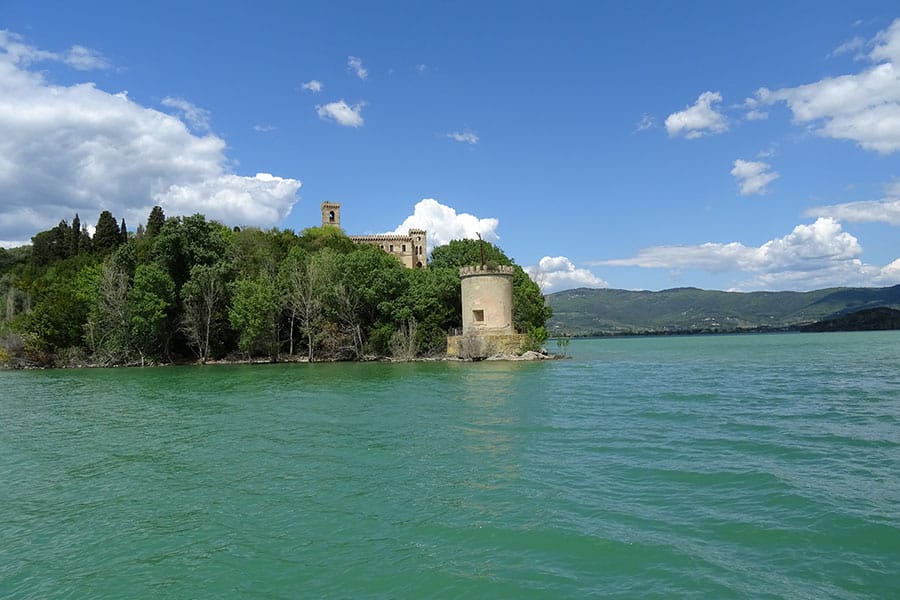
column 185, row 288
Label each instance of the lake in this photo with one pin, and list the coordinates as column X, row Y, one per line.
column 763, row 466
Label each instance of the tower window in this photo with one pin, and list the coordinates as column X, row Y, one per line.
column 478, row 316
column 392, row 247
column 331, row 216
column 404, row 247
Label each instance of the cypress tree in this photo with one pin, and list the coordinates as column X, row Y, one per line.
column 75, row 236
column 155, row 221
column 107, row 235
column 123, row 232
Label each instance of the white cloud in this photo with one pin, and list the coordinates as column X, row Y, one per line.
column 443, row 224
column 68, row 149
column 85, row 59
column 555, row 273
column 698, row 120
column 314, row 86
column 196, row 117
column 864, row 107
column 756, row 115
column 468, row 137
column 342, row 113
column 19, row 53
column 886, row 210
column 850, row 46
column 811, row 256
column 753, row 176
column 232, row 198
column 264, row 128
column 357, row 66
column 646, row 122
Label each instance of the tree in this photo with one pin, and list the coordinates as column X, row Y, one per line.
column 529, row 308
column 465, row 253
column 149, row 300
column 123, row 233
column 204, row 296
column 75, row 236
column 313, row 239
column 107, row 235
column 155, row 221
column 112, row 316
column 254, row 315
column 309, row 282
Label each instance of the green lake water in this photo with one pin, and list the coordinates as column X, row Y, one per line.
column 758, row 466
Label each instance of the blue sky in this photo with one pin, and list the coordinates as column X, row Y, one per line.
column 638, row 145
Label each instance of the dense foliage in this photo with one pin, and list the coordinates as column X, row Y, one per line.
column 185, row 288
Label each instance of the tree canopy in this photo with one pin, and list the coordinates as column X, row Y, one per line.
column 187, row 288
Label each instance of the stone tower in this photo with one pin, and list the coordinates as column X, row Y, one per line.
column 486, row 300
column 487, row 314
column 331, row 214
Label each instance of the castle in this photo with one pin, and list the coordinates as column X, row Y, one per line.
column 411, row 249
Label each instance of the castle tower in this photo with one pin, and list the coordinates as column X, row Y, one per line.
column 419, row 248
column 487, row 300
column 331, row 214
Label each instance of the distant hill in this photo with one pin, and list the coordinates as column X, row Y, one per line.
column 620, row 312
column 870, row 319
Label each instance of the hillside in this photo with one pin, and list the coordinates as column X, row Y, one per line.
column 608, row 312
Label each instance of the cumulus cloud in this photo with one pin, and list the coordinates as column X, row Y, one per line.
column 753, row 177
column 698, row 120
column 356, row 65
column 232, row 198
column 342, row 113
column 196, row 117
column 68, row 149
column 555, row 273
column 468, row 137
column 817, row 255
column 444, row 224
column 314, row 86
column 862, row 107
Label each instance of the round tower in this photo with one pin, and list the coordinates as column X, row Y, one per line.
column 487, row 300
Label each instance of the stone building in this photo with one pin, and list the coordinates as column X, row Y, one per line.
column 411, row 249
column 487, row 314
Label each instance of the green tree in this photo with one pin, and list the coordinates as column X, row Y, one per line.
column 313, row 239
column 107, row 235
column 529, row 308
column 465, row 253
column 51, row 245
column 149, row 300
column 112, row 316
column 254, row 315
column 75, row 236
column 377, row 280
column 204, row 296
column 155, row 221
column 309, row 283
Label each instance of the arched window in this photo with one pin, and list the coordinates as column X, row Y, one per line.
column 331, row 216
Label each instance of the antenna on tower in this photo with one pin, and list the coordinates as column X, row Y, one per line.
column 481, row 245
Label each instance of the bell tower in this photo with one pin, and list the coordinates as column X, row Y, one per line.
column 331, row 214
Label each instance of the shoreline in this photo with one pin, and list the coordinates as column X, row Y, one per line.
column 528, row 356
